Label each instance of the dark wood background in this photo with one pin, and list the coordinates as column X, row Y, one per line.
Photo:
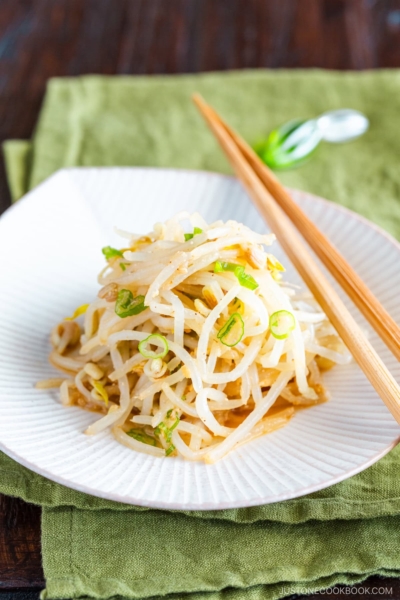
column 44, row 38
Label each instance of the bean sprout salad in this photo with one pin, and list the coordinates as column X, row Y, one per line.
column 195, row 345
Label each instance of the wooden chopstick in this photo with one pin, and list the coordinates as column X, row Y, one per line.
column 334, row 261
column 290, row 240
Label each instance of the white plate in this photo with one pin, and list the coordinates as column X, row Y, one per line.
column 50, row 251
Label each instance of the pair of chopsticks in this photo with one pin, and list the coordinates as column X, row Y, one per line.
column 286, row 219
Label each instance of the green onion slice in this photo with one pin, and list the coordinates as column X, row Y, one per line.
column 161, row 427
column 281, row 323
column 123, row 266
column 170, row 450
column 243, row 278
column 127, row 305
column 232, row 332
column 164, row 430
column 246, row 280
column 291, row 144
column 196, row 231
column 226, row 266
column 155, row 339
column 170, row 430
column 110, row 252
column 141, row 436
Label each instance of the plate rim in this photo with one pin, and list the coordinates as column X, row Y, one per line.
column 204, row 506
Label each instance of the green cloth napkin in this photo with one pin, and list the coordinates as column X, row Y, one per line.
column 97, row 548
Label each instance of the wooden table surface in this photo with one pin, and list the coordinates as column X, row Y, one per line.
column 45, row 38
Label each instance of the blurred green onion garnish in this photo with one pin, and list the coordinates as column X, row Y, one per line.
column 293, row 143
column 289, row 145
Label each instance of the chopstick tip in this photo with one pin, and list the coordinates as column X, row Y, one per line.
column 198, row 100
